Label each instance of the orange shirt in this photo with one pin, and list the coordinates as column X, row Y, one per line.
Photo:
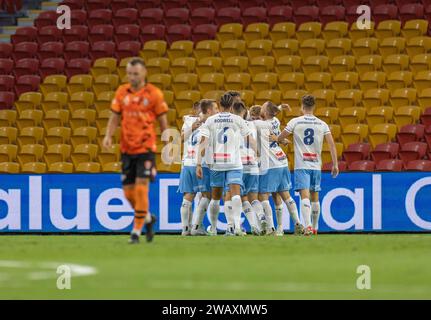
column 139, row 111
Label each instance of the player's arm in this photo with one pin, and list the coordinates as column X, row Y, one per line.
column 330, row 140
column 251, row 141
column 283, row 138
column 114, row 121
column 203, row 144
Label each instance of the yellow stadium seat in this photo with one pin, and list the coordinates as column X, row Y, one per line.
column 293, row 97
column 55, row 100
column 214, row 95
column 208, row 65
column 418, row 45
column 247, row 96
column 82, row 118
column 375, row 97
column 153, row 49
column 285, row 47
column 387, row 29
column 31, row 153
column 399, row 79
column 88, row 167
column 372, row 80
column 104, row 100
column 9, row 167
column 184, row 81
column 365, row 46
column 288, row 64
column 237, row 81
column 229, row 31
column 261, row 47
column 60, row 167
column 268, row 95
column 351, row 115
column 354, row 133
column 342, row 64
column 422, row 80
column 232, row 48
column 104, row 66
column 424, row 98
column 390, row 46
column 355, row 33
column 110, row 155
column 81, row 100
column 114, row 167
column 185, row 99
column 326, row 153
column 290, row 114
column 282, row 30
column 116, row 137
column 314, row 64
column 172, row 117
column 396, row 62
column 256, row 31
column 329, row 115
column 79, row 83
column 317, row 80
column 161, row 80
column 264, row 81
column 311, row 47
column 57, row 153
column 53, row 83
column 7, row 118
column 403, row 97
column 106, row 82
column 345, row 80
column 84, row 135
column 211, row 81
column 182, row 65
column 58, row 135
column 84, row 153
column 261, row 64
column 121, row 70
column 406, row 115
column 235, row 65
column 348, row 98
column 420, row 62
column 368, row 63
column 8, row 135
column 382, row 133
column 29, row 118
column 28, row 100
column 338, row 47
column 180, row 49
column 308, row 30
column 33, row 167
column 414, row 28
column 30, row 135
column 378, row 115
column 8, row 152
column 335, row 30
column 169, row 97
column 157, row 65
column 324, row 98
column 291, row 81
column 206, row 48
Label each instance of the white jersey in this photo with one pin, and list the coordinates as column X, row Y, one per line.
column 222, row 131
column 308, row 134
column 191, row 143
column 248, row 156
column 271, row 154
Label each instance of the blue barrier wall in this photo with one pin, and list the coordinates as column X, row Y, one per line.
column 354, row 202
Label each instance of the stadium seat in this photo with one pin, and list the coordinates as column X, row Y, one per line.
column 82, row 118
column 161, row 80
column 180, row 49
column 375, row 97
column 125, row 16
column 153, row 32
column 258, row 48
column 380, row 114
column 426, row 117
column 51, row 50
column 403, row 97
column 30, row 135
column 351, row 115
column 79, row 83
column 282, row 30
column 228, row 15
column 53, row 100
column 29, row 118
column 81, row 100
column 202, row 15
column 362, row 166
column 348, row 98
column 406, row 115
column 291, row 81
column 9, row 167
column 97, row 4
column 127, row 49
column 46, row 18
column 305, row 14
column 335, row 30
column 183, row 82
column 102, row 49
column 264, row 81
column 232, row 48
column 317, row 80
column 52, row 66
column 399, row 79
column 338, row 47
column 114, row 167
column 324, row 98
column 410, row 133
column 101, row 32
column 204, row 32
column 77, row 66
column 342, row 64
column 313, row 64
column 153, row 49
column 419, row 165
column 367, row 63
column 74, row 4
column 104, row 66
column 60, row 167
column 354, row 133
column 8, row 153
column 84, row 153
column 285, row 47
column 230, row 31
column 354, row 32
column 7, row 83
column 31, row 153
column 391, row 46
column 6, row 66
column 422, row 80
column 57, row 153
column 420, row 62
column 329, row 115
column 28, row 100
column 356, row 152
column 211, row 81
column 83, row 135
column 78, row 17
column 279, row 14
column 6, row 50
column 150, row 16
column 385, row 12
column 327, row 167
column 413, row 151
column 372, row 80
column 34, row 167
column 176, row 16
column 253, row 15
column 308, row 30
column 382, row 133
column 49, row 34
column 7, row 118
column 261, row 64
column 391, row 165
column 25, row 50
column 396, row 62
column 311, row 47
column 8, row 135
column 238, row 81
column 24, row 34
column 185, row 100
column 332, row 13
column 290, row 114
column 293, row 97
column 57, row 135
column 183, row 65
column 6, row 100
column 56, row 118
column 110, row 155
column 287, row 64
column 326, row 154
column 99, row 16
column 88, row 167
column 268, row 95
column 418, row 45
column 414, row 28
column 365, row 46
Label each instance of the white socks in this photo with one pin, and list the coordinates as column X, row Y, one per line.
column 306, row 211
column 229, row 214
column 214, row 207
column 258, row 210
column 236, row 211
column 293, row 210
column 315, row 213
column 201, row 211
column 186, row 212
column 279, row 215
column 268, row 214
column 249, row 214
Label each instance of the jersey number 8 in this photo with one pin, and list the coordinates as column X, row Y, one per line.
column 308, row 136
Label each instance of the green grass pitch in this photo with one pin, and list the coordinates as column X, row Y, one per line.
column 219, row 267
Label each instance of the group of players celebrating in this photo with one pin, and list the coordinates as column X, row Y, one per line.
column 234, row 152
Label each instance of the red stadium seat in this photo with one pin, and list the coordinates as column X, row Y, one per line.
column 51, row 50
column 150, row 16
column 385, row 12
column 24, row 34
column 98, row 4
column 147, row 4
column 171, row 4
column 102, row 49
column 428, row 137
column 204, row 32
column 178, row 32
column 253, row 15
column 125, row 16
column 6, row 100
column 413, row 151
column 101, row 32
column 153, row 32
column 279, row 14
column 392, row 165
column 25, row 50
column 410, row 133
column 117, row 5
column 364, row 165
column 46, row 18
column 6, row 50
column 332, row 13
column 419, row 165
column 73, row 4
column 52, row 66
column 49, row 34
column 127, row 32
column 296, row 4
column 78, row 17
column 75, row 33
column 128, row 49
column 326, row 3
column 385, row 151
column 7, row 83
column 202, row 16
column 342, row 166
column 426, row 117
column 228, row 15
column 357, row 152
column 220, row 4
column 243, row 5
column 26, row 84
column 276, row 3
column 26, row 66
column 411, row 11
column 76, row 49
column 6, row 66
column 78, row 66
column 350, row 15
column 100, row 16
column 196, row 4
column 306, row 14
column 176, row 16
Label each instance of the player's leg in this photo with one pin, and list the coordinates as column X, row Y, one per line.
column 186, row 213
column 205, row 188
column 234, row 180
column 257, row 211
column 129, row 193
column 265, row 188
column 314, row 196
column 217, row 183
column 278, row 205
column 249, row 190
column 228, row 211
column 302, row 185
